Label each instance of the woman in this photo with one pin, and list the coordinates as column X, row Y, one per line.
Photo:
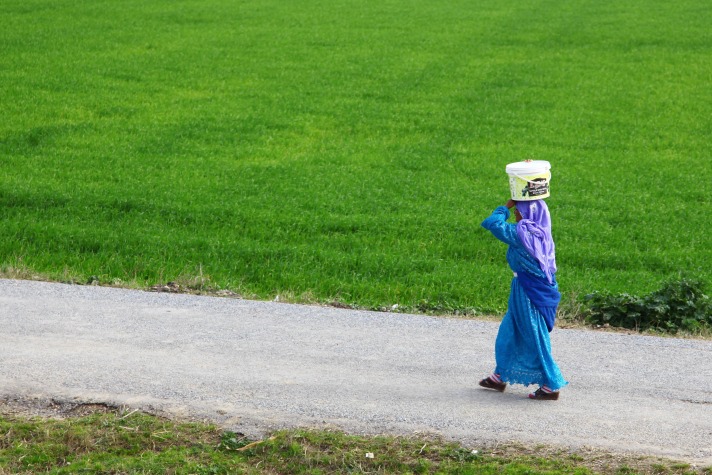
column 523, row 348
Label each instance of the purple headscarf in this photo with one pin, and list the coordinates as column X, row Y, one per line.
column 534, row 230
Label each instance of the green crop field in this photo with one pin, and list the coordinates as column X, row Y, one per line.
column 348, row 150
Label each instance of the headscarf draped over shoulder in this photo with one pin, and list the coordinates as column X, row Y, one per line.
column 534, row 230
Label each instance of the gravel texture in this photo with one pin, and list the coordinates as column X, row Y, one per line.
column 258, row 366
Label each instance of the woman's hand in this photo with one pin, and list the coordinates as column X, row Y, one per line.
column 511, row 204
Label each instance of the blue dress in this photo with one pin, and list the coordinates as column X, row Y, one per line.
column 522, row 348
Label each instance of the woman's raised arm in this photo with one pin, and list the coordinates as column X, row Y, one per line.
column 497, row 224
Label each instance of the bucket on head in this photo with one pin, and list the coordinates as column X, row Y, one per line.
column 529, row 180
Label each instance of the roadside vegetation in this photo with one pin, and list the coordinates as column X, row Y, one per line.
column 679, row 306
column 131, row 442
column 345, row 152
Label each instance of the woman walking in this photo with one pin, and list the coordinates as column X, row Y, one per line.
column 523, row 348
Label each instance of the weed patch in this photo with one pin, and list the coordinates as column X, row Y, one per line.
column 680, row 305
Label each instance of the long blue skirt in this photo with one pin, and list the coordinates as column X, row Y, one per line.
column 523, row 349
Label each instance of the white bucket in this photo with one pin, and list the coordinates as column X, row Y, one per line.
column 529, row 180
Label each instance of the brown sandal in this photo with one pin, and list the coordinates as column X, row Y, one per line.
column 491, row 384
column 541, row 395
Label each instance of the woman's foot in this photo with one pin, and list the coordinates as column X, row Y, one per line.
column 544, row 394
column 493, row 382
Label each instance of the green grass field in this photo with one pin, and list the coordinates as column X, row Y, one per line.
column 348, row 150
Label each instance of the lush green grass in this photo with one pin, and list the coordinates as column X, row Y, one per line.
column 131, row 442
column 349, row 149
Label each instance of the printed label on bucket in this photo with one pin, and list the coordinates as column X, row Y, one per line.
column 530, row 187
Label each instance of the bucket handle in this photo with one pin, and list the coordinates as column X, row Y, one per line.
column 524, row 179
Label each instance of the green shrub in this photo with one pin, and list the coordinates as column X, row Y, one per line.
column 680, row 305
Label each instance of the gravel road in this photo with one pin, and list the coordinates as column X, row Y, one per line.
column 258, row 366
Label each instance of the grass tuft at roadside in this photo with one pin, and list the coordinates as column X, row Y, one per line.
column 101, row 439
